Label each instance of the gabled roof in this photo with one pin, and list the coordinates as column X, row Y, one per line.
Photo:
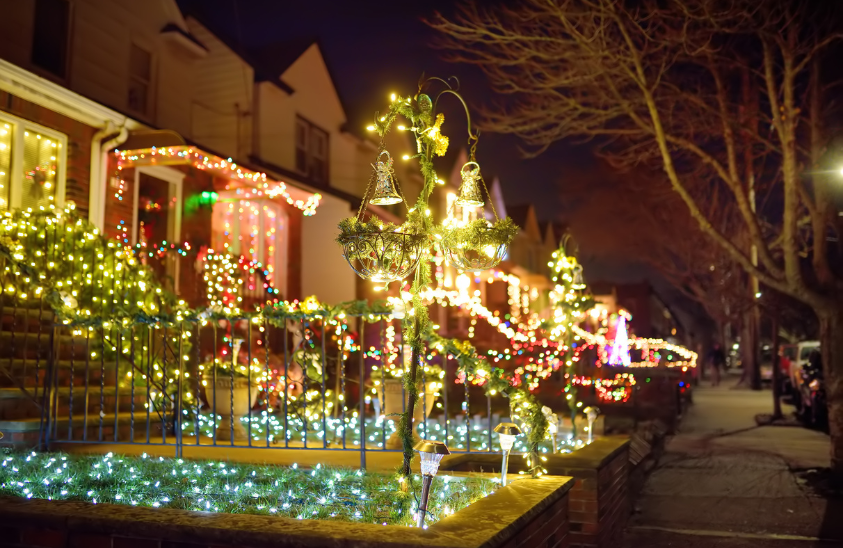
column 519, row 214
column 189, row 9
column 272, row 61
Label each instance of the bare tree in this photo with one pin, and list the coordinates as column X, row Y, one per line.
column 723, row 91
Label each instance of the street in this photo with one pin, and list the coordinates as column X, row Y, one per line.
column 724, row 482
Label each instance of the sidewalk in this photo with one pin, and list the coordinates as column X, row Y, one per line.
column 724, row 482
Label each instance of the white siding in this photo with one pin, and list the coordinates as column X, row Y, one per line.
column 222, row 98
column 325, row 273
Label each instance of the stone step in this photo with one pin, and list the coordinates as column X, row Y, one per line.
column 16, row 405
column 31, row 372
column 25, row 432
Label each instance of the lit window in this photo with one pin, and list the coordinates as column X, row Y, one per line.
column 31, row 165
column 255, row 229
column 140, row 79
column 312, row 151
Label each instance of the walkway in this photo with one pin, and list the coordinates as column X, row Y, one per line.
column 726, row 483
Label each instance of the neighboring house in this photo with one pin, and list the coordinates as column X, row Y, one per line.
column 651, row 317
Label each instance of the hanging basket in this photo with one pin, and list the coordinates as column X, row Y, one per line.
column 382, row 256
column 477, row 258
column 478, row 245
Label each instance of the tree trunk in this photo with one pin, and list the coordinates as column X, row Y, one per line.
column 777, row 368
column 831, row 340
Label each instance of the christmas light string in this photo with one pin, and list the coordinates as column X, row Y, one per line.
column 258, row 184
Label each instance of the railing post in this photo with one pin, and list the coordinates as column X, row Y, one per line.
column 47, row 395
column 362, row 392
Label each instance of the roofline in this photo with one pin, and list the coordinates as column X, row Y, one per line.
column 239, row 52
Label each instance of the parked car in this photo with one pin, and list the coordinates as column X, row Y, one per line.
column 813, row 408
column 803, row 353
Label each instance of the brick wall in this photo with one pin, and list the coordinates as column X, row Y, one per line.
column 550, row 529
column 79, row 135
column 599, row 501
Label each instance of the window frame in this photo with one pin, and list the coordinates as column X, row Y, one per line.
column 150, row 83
column 281, row 258
column 68, row 45
column 20, row 126
column 309, row 152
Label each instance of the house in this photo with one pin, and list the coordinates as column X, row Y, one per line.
column 167, row 132
column 651, row 316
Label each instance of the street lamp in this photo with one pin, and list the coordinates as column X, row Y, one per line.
column 506, row 433
column 431, row 453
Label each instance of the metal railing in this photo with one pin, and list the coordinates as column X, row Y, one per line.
column 313, row 383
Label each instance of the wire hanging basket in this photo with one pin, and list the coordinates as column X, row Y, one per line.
column 480, row 244
column 382, row 256
column 378, row 251
column 485, row 253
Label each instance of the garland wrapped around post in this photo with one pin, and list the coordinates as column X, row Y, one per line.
column 570, row 302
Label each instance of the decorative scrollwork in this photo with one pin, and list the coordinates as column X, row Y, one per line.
column 384, row 256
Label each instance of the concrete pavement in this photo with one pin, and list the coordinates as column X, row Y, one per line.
column 724, row 482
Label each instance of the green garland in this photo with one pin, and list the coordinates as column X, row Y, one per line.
column 478, row 234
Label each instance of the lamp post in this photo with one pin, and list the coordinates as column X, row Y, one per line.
column 385, row 252
column 506, row 433
column 431, row 453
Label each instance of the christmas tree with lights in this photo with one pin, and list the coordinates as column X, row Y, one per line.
column 570, row 302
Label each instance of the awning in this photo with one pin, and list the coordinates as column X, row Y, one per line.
column 254, row 184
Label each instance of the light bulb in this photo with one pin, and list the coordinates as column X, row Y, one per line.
column 507, row 441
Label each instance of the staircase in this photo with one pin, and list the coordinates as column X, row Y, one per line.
column 52, row 390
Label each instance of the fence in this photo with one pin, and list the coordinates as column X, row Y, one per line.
column 239, row 383
column 117, row 376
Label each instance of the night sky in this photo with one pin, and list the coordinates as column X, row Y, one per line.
column 376, row 47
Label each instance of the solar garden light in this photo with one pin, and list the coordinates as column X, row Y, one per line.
column 506, row 434
column 591, row 415
column 431, row 453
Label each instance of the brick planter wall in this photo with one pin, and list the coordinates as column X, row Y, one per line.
column 599, row 501
column 526, row 514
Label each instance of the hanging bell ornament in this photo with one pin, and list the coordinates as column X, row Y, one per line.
column 385, row 191
column 470, row 195
column 578, row 282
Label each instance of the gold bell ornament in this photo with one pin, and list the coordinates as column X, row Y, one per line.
column 470, row 194
column 385, row 191
column 578, row 282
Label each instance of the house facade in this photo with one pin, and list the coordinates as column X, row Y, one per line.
column 161, row 131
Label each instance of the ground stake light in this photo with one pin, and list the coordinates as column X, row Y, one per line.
column 591, row 415
column 506, row 434
column 431, row 453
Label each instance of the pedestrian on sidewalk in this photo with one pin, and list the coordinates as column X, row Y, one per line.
column 717, row 360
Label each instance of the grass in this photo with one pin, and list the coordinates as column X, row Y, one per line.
column 213, row 486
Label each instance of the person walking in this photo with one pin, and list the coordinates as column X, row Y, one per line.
column 717, row 361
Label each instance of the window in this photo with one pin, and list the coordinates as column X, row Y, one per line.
column 256, row 229
column 50, row 36
column 31, row 165
column 311, row 151
column 140, row 79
